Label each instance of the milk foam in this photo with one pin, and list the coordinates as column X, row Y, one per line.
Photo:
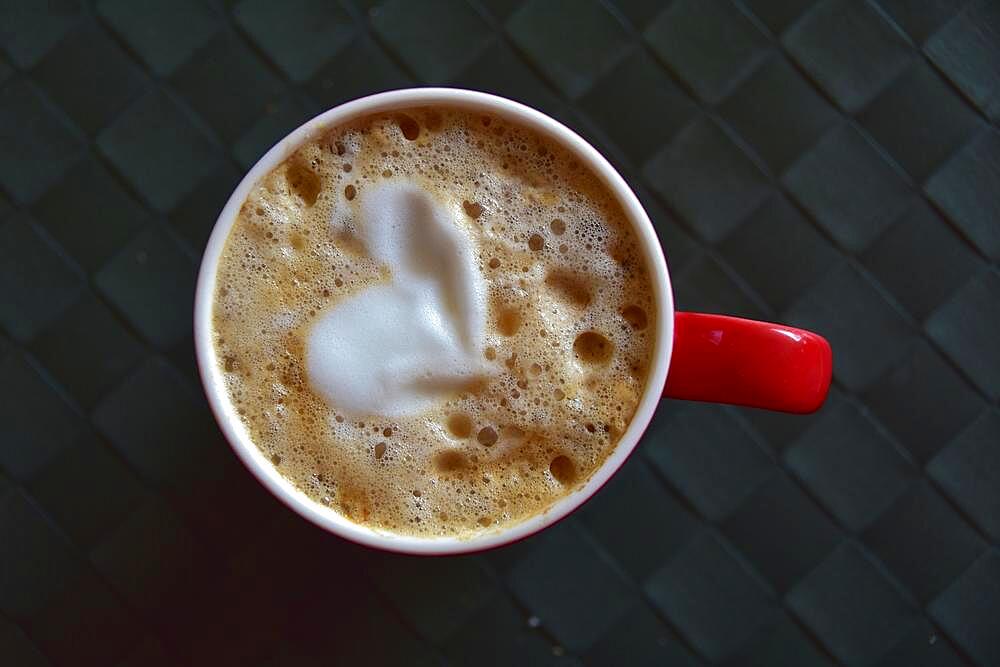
column 395, row 349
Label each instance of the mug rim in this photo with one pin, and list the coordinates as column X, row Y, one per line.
column 328, row 518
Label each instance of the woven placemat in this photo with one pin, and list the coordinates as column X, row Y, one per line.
column 833, row 164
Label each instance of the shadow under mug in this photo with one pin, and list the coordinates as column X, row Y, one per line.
column 696, row 356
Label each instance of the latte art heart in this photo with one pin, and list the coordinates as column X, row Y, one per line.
column 395, row 349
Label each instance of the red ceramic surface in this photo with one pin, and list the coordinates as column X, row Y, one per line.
column 758, row 364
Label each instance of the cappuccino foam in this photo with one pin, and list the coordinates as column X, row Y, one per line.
column 429, row 316
column 434, row 321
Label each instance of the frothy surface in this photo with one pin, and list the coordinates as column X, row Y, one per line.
column 443, row 242
column 396, row 349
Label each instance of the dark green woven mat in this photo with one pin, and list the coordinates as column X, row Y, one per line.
column 832, row 164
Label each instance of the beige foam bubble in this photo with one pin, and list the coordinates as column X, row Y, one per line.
column 568, row 341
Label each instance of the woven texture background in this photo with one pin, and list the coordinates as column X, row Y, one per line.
column 833, row 164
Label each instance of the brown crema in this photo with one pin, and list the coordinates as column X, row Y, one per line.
column 570, row 314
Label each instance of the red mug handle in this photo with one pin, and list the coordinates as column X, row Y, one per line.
column 725, row 359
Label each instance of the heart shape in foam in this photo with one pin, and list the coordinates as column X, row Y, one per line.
column 398, row 348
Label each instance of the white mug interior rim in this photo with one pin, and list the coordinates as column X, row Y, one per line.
column 330, row 519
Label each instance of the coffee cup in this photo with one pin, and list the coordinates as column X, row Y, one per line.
column 696, row 356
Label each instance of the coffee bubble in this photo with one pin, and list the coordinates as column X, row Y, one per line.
column 303, row 181
column 509, row 321
column 459, row 425
column 592, row 348
column 572, row 288
column 408, row 126
column 487, row 436
column 635, row 316
column 563, row 470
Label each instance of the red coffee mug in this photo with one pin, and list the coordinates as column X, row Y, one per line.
column 696, row 356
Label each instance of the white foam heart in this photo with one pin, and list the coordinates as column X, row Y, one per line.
column 395, row 349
